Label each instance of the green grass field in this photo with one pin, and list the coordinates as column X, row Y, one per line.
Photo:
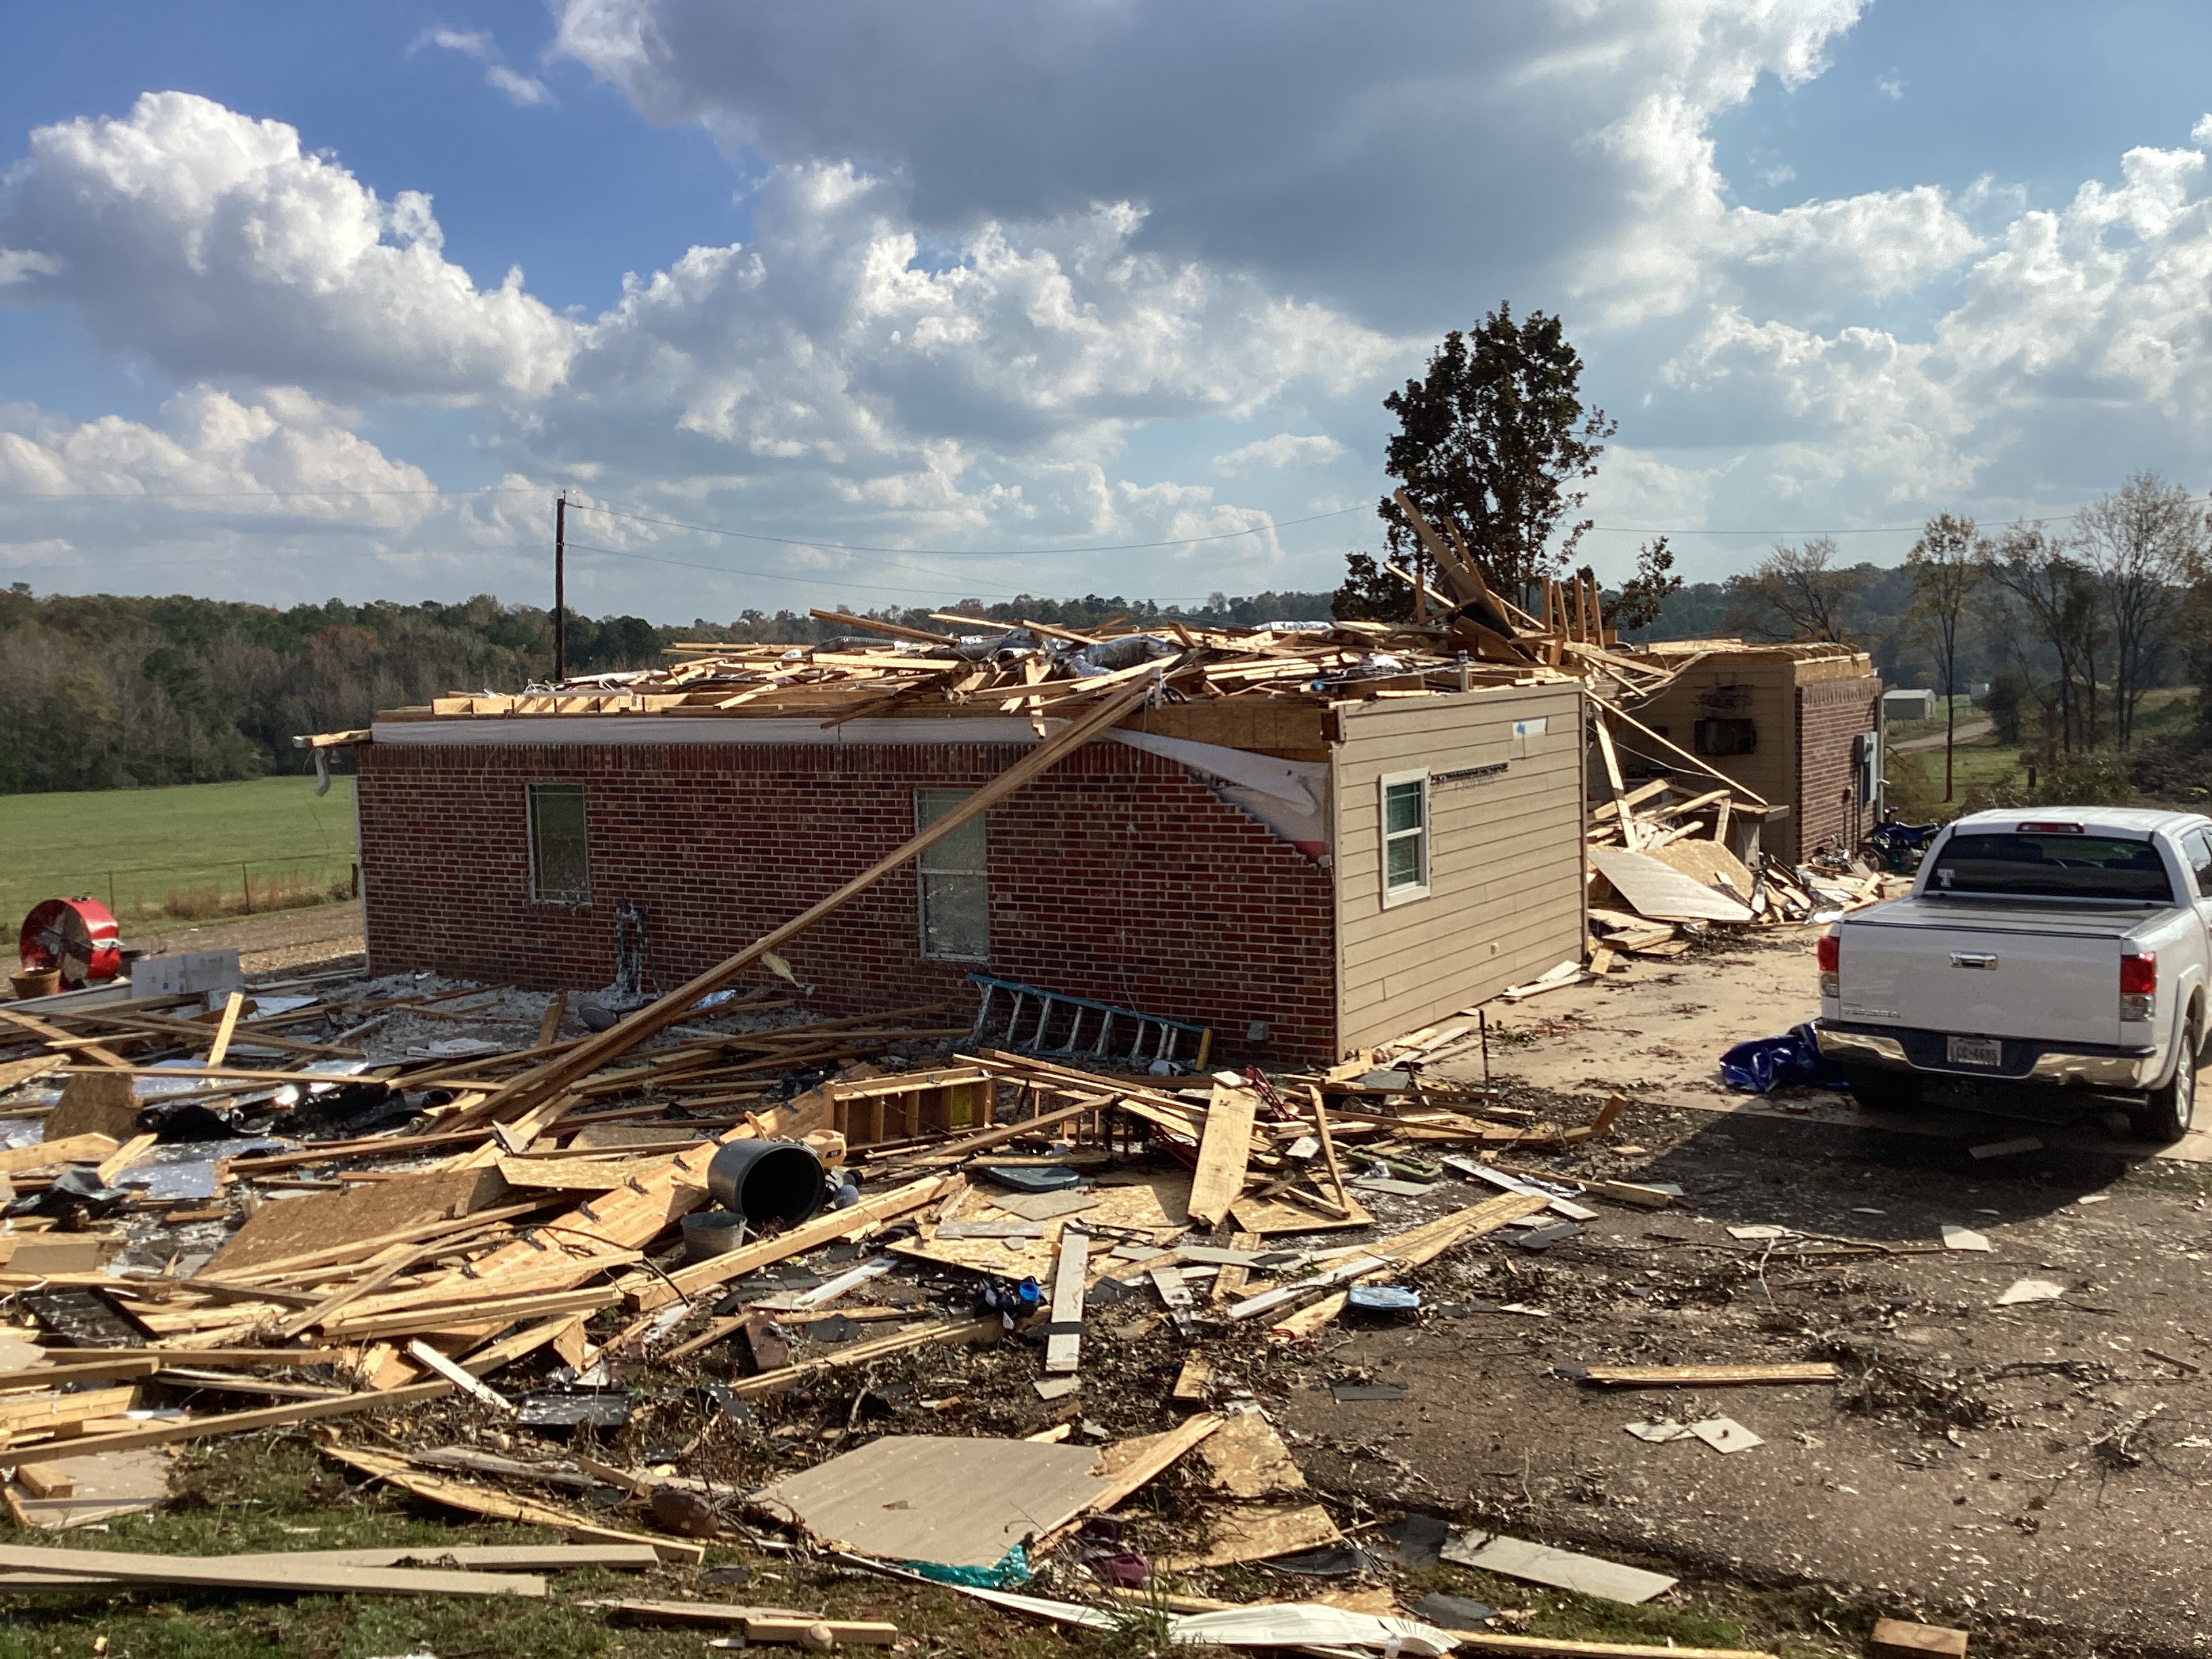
column 179, row 854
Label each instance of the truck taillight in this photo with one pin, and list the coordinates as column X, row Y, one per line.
column 1829, row 954
column 2138, row 984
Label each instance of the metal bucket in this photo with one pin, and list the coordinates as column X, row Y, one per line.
column 712, row 1233
column 769, row 1182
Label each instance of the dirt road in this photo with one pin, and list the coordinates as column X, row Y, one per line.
column 1967, row 733
column 284, row 939
column 2031, row 1466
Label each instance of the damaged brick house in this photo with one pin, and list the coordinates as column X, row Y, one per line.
column 1304, row 870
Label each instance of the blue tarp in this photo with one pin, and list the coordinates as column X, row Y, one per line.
column 1011, row 1571
column 1766, row 1064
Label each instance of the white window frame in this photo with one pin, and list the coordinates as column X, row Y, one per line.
column 575, row 899
column 1412, row 891
column 922, row 872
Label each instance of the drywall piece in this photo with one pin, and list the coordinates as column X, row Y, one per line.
column 187, row 973
column 1963, row 1238
column 1047, row 1206
column 324, row 1221
column 101, row 1487
column 1246, row 1458
column 2030, row 1290
column 1540, row 1563
column 956, row 1503
column 1258, row 1532
column 1725, row 1434
column 1652, row 889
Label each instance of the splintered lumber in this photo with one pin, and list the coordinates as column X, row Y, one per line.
column 862, row 1353
column 645, row 1295
column 1148, row 1466
column 265, row 1573
column 70, row 1149
column 492, row 1311
column 1484, row 1642
column 553, row 1076
column 1063, row 1348
column 273, row 1417
column 1412, row 1248
column 137, row 1363
column 766, row 1626
column 1223, row 1150
column 500, row 1506
column 1709, row 1376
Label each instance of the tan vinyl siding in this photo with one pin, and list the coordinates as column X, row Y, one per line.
column 1506, row 878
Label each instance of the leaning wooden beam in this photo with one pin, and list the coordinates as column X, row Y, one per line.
column 1223, row 1151
column 265, row 1573
column 547, row 1081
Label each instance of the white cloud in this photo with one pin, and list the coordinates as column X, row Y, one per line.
column 284, row 455
column 1892, row 86
column 521, row 89
column 1283, row 449
column 19, row 266
column 211, row 245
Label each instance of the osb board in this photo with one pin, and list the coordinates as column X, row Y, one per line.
column 1246, row 1458
column 1153, row 1202
column 322, row 1221
column 1654, row 890
column 1701, row 860
column 107, row 1483
column 1258, row 1532
column 959, row 1503
column 1269, row 1216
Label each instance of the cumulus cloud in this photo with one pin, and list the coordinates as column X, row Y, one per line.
column 524, row 90
column 1283, row 449
column 211, row 245
column 283, row 455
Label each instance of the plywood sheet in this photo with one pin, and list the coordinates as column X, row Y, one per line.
column 1701, row 860
column 960, row 1503
column 1270, row 1216
column 1223, row 1153
column 1155, row 1202
column 105, row 1485
column 323, row 1221
column 1246, row 1458
column 1652, row 889
column 1259, row 1532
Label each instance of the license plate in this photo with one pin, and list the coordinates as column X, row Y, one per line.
column 1973, row 1051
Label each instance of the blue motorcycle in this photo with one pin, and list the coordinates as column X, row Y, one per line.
column 1898, row 848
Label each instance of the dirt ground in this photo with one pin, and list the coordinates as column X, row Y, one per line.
column 285, row 940
column 2037, row 1467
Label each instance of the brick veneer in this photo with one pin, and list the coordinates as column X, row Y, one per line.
column 1830, row 713
column 1116, row 877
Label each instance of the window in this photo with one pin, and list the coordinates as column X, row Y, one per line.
column 954, row 875
column 1725, row 737
column 559, row 862
column 1405, row 836
column 2054, row 865
column 2200, row 860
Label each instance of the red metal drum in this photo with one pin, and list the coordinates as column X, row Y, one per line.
column 76, row 935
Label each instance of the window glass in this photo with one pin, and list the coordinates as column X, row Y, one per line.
column 2200, row 860
column 1405, row 836
column 954, row 882
column 560, row 861
column 2051, row 866
column 1725, row 737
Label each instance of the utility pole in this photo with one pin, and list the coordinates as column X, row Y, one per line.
column 561, row 588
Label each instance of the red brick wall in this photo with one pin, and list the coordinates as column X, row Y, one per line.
column 1830, row 713
column 1115, row 876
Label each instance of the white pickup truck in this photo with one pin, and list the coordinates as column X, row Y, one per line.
column 2061, row 946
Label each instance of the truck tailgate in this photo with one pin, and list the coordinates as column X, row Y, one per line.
column 1937, row 966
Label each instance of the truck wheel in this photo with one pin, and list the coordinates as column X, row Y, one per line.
column 2167, row 1117
column 1879, row 1090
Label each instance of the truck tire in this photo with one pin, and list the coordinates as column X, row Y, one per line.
column 2168, row 1116
column 1881, row 1090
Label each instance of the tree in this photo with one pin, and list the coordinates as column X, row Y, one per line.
column 1946, row 567
column 1492, row 442
column 2055, row 596
column 1644, row 595
column 1370, row 593
column 1795, row 592
column 2144, row 546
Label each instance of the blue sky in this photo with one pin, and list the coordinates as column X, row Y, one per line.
column 983, row 298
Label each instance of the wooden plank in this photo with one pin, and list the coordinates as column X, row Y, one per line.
column 500, row 1506
column 494, row 1311
column 862, row 1353
column 1328, row 1150
column 556, row 1010
column 273, row 1417
column 553, row 1076
column 265, row 1573
column 45, row 1480
column 645, row 1295
column 52, row 1412
column 1063, row 1353
column 71, row 1148
column 764, row 1626
column 137, row 1363
column 226, row 1027
column 1223, row 1151
column 1714, row 1376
